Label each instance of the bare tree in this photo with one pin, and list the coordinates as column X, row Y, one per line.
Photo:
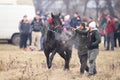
column 37, row 4
column 97, row 8
column 67, row 3
column 49, row 4
column 117, row 7
column 110, row 7
column 85, row 7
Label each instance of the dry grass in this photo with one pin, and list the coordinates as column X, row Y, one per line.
column 16, row 64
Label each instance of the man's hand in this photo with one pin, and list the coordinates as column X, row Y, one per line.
column 73, row 29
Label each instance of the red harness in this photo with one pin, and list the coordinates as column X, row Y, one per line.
column 50, row 20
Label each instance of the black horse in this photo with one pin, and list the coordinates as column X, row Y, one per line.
column 56, row 42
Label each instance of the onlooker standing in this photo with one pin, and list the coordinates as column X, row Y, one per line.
column 117, row 32
column 110, row 29
column 74, row 24
column 90, row 19
column 78, row 21
column 82, row 49
column 73, row 21
column 66, row 25
column 24, row 29
column 93, row 47
column 30, row 34
column 102, row 26
column 37, row 27
column 44, row 31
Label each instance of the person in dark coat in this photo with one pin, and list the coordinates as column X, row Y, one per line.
column 82, row 49
column 94, row 40
column 117, row 32
column 24, row 29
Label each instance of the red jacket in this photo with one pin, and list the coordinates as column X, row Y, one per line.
column 110, row 27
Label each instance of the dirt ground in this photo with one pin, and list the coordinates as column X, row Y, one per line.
column 16, row 64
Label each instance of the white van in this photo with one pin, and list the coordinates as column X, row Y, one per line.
column 10, row 16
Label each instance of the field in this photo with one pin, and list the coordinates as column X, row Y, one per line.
column 16, row 64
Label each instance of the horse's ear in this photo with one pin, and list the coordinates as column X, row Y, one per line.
column 52, row 15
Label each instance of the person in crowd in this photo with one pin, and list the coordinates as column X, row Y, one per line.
column 84, row 19
column 82, row 48
column 78, row 21
column 110, row 29
column 90, row 19
column 30, row 34
column 44, row 31
column 37, row 27
column 117, row 32
column 74, row 21
column 66, row 24
column 24, row 29
column 74, row 24
column 102, row 26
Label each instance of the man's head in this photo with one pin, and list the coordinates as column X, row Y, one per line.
column 109, row 18
column 76, row 14
column 90, row 19
column 38, row 15
column 25, row 17
column 82, row 26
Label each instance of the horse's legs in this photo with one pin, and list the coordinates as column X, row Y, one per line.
column 51, row 58
column 63, row 55
column 47, row 53
column 68, row 56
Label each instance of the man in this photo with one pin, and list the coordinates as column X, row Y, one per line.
column 37, row 27
column 93, row 47
column 82, row 49
column 117, row 32
column 74, row 24
column 24, row 29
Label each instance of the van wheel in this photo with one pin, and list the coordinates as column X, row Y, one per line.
column 16, row 39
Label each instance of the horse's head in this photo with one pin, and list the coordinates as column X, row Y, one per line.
column 56, row 19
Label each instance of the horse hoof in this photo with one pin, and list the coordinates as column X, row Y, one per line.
column 66, row 69
column 49, row 67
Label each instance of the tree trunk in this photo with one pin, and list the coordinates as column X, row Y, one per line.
column 97, row 8
column 110, row 8
column 85, row 7
column 67, row 3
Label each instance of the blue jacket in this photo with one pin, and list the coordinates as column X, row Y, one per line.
column 73, row 22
